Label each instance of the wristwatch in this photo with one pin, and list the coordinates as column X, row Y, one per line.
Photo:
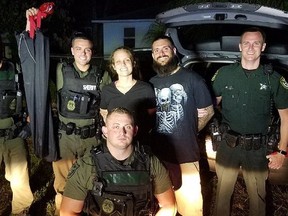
column 282, row 152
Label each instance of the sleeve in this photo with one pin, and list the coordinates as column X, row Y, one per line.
column 106, row 79
column 59, row 76
column 202, row 94
column 217, row 83
column 161, row 179
column 11, row 71
column 104, row 98
column 79, row 180
column 280, row 94
column 151, row 98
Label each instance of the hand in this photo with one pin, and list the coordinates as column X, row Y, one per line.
column 25, row 132
column 275, row 160
column 30, row 12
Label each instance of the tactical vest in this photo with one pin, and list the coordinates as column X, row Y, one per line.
column 10, row 94
column 80, row 97
column 121, row 190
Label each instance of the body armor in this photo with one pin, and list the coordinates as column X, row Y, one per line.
column 80, row 97
column 10, row 94
column 121, row 190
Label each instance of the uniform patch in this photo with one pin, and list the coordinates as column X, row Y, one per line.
column 107, row 206
column 213, row 78
column 284, row 82
column 71, row 105
column 263, row 86
column 73, row 170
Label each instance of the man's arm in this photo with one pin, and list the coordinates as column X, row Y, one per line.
column 106, row 79
column 276, row 160
column 71, row 207
column 104, row 113
column 30, row 12
column 167, row 203
column 204, row 115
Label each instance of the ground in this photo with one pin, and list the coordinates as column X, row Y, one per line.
column 42, row 186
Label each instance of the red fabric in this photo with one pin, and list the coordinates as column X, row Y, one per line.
column 35, row 21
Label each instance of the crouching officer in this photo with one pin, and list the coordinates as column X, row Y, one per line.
column 12, row 148
column 118, row 178
column 78, row 91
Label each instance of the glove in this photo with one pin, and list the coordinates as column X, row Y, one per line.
column 25, row 132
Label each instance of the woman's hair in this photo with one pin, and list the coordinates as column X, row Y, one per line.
column 136, row 71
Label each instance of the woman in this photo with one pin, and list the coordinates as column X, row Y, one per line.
column 128, row 92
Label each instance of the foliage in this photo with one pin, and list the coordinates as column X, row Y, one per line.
column 58, row 27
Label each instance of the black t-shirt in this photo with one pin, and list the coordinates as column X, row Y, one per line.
column 138, row 100
column 178, row 97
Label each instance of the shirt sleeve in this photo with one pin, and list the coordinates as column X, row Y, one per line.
column 106, row 79
column 217, row 83
column 104, row 97
column 59, row 76
column 201, row 93
column 161, row 179
column 79, row 180
column 280, row 94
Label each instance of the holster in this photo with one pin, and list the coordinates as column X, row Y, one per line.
column 230, row 139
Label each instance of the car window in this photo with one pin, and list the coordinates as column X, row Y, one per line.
column 226, row 37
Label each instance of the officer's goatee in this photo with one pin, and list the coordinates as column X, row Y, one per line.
column 167, row 69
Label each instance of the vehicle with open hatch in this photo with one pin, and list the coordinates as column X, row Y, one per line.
column 207, row 37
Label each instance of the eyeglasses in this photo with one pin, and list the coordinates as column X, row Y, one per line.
column 164, row 49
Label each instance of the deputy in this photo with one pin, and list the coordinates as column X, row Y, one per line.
column 118, row 177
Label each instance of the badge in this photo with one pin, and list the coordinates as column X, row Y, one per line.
column 71, row 105
column 284, row 82
column 73, row 170
column 107, row 206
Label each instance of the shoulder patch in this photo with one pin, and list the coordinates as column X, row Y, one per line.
column 284, row 82
column 73, row 170
column 213, row 78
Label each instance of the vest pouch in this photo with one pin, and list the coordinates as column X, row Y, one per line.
column 116, row 204
column 74, row 102
column 7, row 104
column 70, row 127
column 85, row 132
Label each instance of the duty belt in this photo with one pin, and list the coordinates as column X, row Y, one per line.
column 9, row 133
column 84, row 132
column 247, row 141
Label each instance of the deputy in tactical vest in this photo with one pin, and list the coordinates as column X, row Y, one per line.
column 119, row 178
column 78, row 88
column 12, row 148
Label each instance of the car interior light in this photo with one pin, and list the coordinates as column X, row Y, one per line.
column 220, row 16
column 236, row 6
column 204, row 6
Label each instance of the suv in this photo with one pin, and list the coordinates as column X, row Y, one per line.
column 207, row 37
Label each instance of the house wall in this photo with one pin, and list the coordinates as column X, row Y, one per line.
column 113, row 35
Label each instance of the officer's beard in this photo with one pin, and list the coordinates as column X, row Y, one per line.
column 168, row 68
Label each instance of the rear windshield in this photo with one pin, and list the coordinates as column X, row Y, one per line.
column 214, row 36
